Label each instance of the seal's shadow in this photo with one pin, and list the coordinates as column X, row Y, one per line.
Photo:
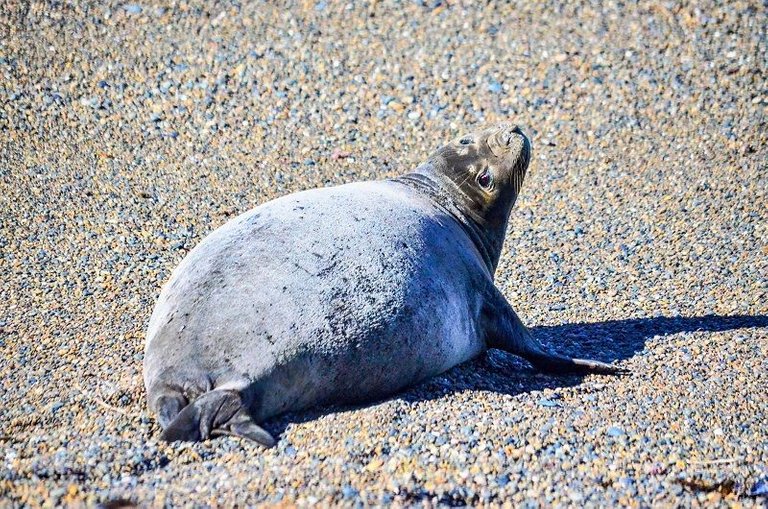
column 613, row 340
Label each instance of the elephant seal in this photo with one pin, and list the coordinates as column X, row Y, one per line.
column 343, row 294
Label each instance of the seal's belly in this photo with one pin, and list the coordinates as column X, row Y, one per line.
column 339, row 294
column 376, row 361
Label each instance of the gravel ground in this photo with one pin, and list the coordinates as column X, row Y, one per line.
column 128, row 131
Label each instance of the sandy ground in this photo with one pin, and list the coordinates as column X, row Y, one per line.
column 128, row 131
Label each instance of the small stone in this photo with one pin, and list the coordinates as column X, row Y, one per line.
column 132, row 8
column 759, row 488
column 349, row 492
column 340, row 154
column 413, row 115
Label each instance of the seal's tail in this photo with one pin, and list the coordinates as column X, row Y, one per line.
column 215, row 413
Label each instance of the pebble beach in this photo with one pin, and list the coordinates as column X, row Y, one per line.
column 129, row 131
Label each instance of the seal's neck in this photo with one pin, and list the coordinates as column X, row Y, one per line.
column 488, row 240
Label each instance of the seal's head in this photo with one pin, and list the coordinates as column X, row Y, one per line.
column 486, row 170
column 478, row 177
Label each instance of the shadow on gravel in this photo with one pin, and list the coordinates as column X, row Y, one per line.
column 499, row 372
column 622, row 339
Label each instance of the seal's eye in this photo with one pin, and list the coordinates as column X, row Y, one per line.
column 485, row 179
column 465, row 141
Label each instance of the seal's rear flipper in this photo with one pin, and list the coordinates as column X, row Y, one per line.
column 246, row 428
column 168, row 406
column 215, row 413
column 166, row 400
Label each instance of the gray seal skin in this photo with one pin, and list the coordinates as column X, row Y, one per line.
column 343, row 295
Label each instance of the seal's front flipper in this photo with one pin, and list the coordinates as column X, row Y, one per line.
column 505, row 331
column 549, row 362
column 215, row 413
